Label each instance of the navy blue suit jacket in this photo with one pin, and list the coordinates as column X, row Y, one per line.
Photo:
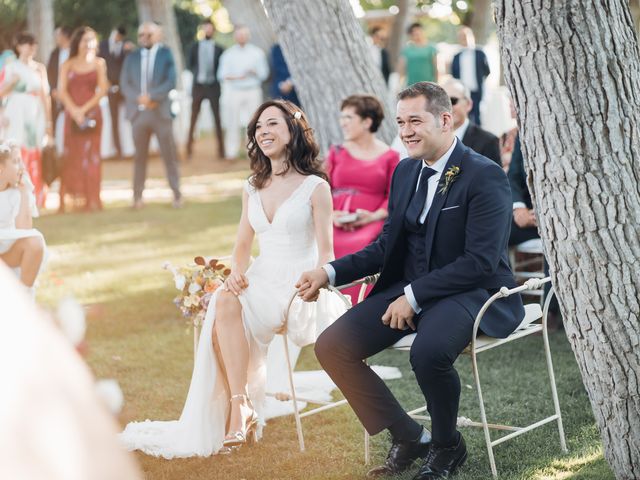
column 162, row 81
column 467, row 235
column 482, row 67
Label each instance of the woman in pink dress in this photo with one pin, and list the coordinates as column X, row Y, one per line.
column 360, row 173
column 83, row 82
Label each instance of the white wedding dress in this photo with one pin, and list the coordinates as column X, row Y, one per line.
column 287, row 248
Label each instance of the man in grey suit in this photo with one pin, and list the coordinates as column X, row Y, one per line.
column 148, row 75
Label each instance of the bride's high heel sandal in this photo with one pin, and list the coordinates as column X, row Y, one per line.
column 250, row 433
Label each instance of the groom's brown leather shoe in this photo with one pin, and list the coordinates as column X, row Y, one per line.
column 402, row 454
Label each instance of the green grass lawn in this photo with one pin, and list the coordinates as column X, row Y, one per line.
column 111, row 262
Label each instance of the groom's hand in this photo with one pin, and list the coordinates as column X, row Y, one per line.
column 310, row 283
column 399, row 315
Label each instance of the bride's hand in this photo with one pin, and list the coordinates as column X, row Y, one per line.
column 235, row 283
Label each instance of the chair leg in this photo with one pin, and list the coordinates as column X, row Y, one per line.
column 552, row 377
column 296, row 413
column 483, row 416
column 367, row 455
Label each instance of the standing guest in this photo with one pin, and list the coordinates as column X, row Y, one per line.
column 379, row 52
column 419, row 59
column 469, row 133
column 148, row 75
column 281, row 82
column 114, row 50
column 204, row 60
column 360, row 173
column 243, row 68
column 83, row 82
column 471, row 67
column 59, row 55
column 28, row 108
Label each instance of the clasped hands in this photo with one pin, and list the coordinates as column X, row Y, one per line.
column 399, row 314
column 146, row 102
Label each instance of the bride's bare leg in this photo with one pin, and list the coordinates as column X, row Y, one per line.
column 232, row 348
column 26, row 253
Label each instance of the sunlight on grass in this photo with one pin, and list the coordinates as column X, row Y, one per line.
column 570, row 467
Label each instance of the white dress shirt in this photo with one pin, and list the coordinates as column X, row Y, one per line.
column 468, row 69
column 147, row 62
column 237, row 61
column 462, row 129
column 438, row 166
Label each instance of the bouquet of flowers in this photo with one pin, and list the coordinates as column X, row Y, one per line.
column 196, row 283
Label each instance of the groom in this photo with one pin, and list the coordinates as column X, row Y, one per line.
column 441, row 254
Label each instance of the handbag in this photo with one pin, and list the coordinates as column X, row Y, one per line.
column 51, row 164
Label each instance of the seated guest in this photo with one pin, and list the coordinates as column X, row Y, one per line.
column 524, row 225
column 360, row 173
column 21, row 245
column 469, row 133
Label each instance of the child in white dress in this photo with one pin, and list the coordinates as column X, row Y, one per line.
column 22, row 247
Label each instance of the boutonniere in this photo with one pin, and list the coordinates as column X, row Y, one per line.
column 450, row 176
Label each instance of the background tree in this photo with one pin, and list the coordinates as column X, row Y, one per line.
column 251, row 13
column 398, row 33
column 40, row 23
column 574, row 73
column 329, row 65
column 481, row 20
column 161, row 11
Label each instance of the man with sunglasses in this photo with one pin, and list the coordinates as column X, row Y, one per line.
column 469, row 133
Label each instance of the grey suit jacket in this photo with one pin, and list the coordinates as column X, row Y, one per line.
column 162, row 81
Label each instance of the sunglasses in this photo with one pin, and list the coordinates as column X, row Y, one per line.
column 454, row 100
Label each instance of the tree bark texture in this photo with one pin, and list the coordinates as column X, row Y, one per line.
column 573, row 68
column 161, row 11
column 329, row 59
column 40, row 22
column 251, row 14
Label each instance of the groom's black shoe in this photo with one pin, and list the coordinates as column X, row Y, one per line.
column 442, row 462
column 402, row 454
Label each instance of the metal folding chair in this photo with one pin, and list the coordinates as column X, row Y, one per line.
column 284, row 396
column 482, row 343
column 530, row 267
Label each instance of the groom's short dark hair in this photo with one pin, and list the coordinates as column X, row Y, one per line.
column 437, row 99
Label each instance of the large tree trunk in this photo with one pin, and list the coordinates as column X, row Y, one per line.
column 481, row 20
column 161, row 11
column 251, row 14
column 574, row 72
column 399, row 31
column 40, row 23
column 329, row 59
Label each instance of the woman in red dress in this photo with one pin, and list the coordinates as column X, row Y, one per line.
column 360, row 173
column 83, row 82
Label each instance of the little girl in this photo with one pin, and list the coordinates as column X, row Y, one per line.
column 21, row 245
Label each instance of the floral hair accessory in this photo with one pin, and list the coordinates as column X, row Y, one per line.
column 297, row 115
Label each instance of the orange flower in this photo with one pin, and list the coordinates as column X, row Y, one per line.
column 212, row 285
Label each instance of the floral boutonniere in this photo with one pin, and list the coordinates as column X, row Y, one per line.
column 450, row 176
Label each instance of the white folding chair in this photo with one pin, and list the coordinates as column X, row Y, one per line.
column 284, row 396
column 530, row 267
column 533, row 312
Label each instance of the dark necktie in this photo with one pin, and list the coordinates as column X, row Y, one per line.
column 419, row 199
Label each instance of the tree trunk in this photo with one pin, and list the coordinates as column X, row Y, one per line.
column 481, row 20
column 40, row 23
column 251, row 14
column 574, row 72
column 329, row 59
column 161, row 11
column 398, row 32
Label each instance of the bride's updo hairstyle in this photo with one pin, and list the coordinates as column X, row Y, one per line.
column 302, row 150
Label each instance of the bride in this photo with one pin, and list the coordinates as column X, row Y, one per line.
column 287, row 204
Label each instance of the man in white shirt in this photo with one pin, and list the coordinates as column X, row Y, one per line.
column 471, row 66
column 243, row 67
column 441, row 254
